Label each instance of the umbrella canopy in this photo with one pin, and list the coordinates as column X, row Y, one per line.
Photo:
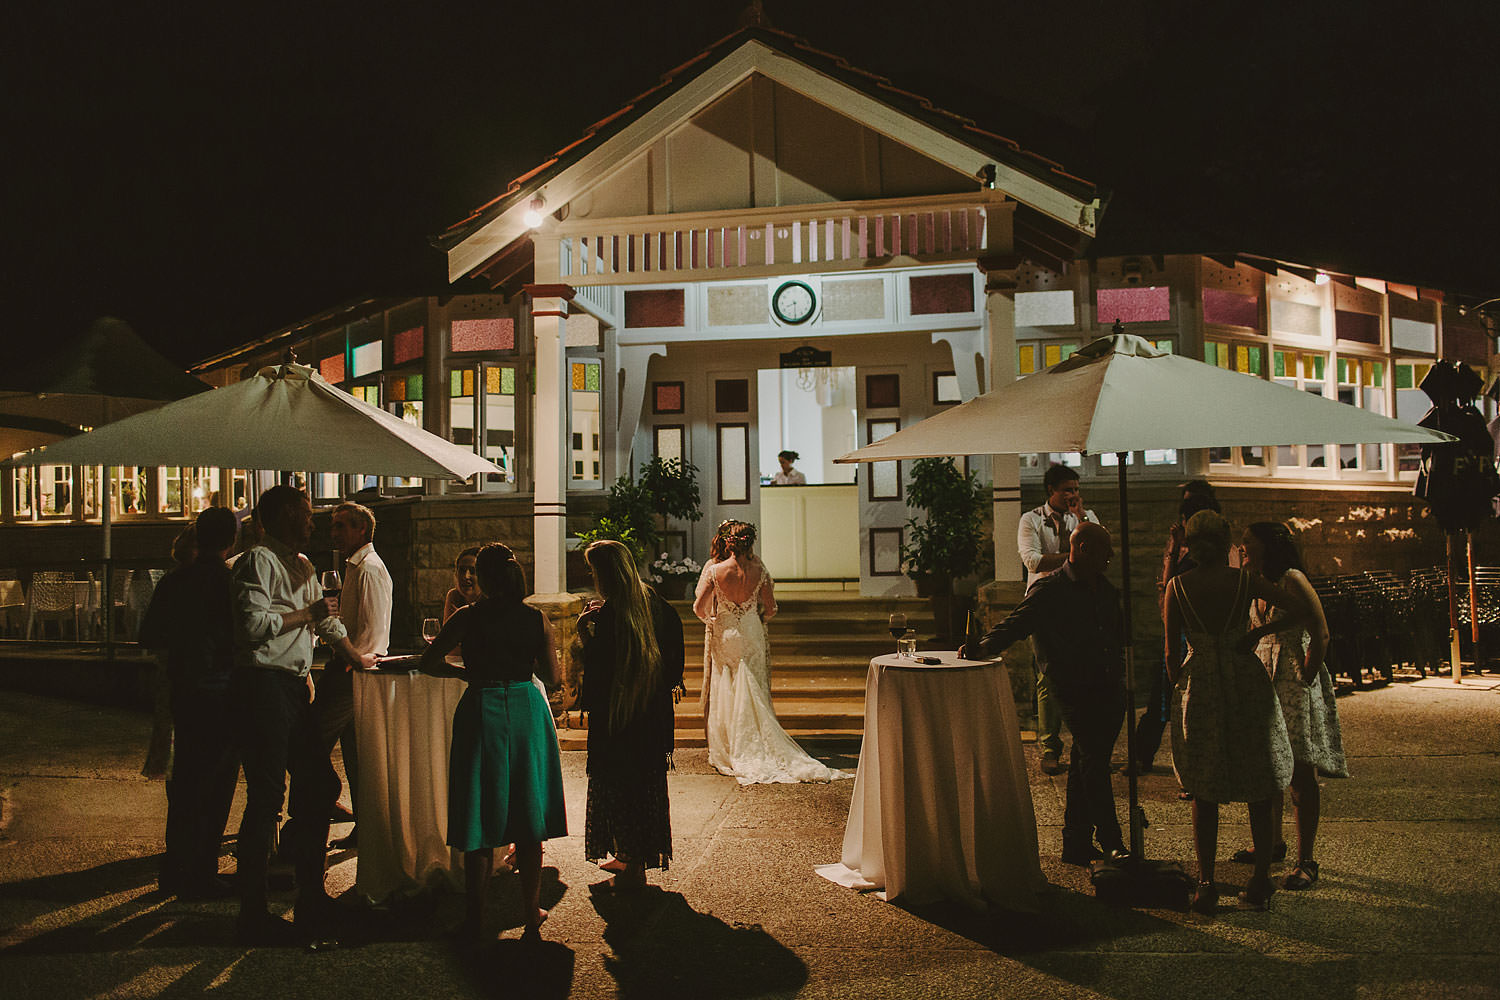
column 1120, row 394
column 107, row 373
column 283, row 417
column 19, row 433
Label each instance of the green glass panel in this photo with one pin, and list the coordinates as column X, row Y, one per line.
column 507, row 381
column 1210, row 352
column 1403, row 377
column 1343, row 370
column 1278, row 364
column 591, row 378
column 455, row 383
column 1255, row 362
column 414, row 387
column 1377, row 375
column 1319, row 363
column 1068, row 350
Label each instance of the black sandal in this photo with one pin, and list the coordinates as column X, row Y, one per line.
column 1301, row 877
column 1246, row 855
column 1205, row 900
column 1257, row 894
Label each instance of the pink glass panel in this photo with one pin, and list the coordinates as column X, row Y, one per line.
column 1150, row 304
column 1231, row 308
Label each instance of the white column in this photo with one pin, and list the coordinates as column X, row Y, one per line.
column 549, row 437
column 1005, row 470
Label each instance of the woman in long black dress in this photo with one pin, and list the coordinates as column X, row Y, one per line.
column 632, row 659
column 504, row 775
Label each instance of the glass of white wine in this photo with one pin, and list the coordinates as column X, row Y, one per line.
column 430, row 628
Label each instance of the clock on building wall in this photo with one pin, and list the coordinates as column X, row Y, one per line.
column 794, row 302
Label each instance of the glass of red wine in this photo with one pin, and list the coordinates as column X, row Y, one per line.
column 897, row 628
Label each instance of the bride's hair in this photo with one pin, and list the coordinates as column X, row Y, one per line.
column 1207, row 535
column 739, row 538
column 637, row 655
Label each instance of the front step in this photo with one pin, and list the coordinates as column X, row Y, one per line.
column 821, row 647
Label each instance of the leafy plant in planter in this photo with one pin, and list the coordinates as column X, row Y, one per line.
column 639, row 507
column 947, row 542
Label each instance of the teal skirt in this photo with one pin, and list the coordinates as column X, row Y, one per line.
column 504, row 775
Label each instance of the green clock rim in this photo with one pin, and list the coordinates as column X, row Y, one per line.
column 776, row 305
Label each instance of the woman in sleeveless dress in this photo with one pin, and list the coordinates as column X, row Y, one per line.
column 1294, row 658
column 504, row 774
column 735, row 599
column 1229, row 742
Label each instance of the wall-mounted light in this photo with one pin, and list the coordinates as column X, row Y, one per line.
column 1465, row 310
column 533, row 216
column 1321, row 278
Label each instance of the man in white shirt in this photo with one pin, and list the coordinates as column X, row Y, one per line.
column 279, row 608
column 365, row 608
column 1042, row 538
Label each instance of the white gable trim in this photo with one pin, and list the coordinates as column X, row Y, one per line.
column 750, row 58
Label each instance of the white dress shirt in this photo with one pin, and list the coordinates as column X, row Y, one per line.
column 365, row 603
column 271, row 580
column 1037, row 536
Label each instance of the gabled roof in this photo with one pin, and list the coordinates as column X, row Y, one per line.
column 1056, row 208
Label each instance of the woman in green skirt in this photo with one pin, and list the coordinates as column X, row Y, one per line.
column 504, row 776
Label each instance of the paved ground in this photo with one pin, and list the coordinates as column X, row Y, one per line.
column 1409, row 904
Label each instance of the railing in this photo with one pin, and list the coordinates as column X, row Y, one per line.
column 664, row 247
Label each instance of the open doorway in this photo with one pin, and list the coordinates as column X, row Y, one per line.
column 809, row 531
column 809, row 411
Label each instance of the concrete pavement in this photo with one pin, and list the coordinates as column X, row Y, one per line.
column 1407, row 905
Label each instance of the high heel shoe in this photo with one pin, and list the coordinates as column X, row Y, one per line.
column 1257, row 894
column 1205, row 899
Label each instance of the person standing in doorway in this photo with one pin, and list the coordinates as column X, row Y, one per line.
column 1042, row 538
column 788, row 476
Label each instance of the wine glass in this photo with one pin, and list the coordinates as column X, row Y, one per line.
column 897, row 628
column 331, row 583
column 430, row 628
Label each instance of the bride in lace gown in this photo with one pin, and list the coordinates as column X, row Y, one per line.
column 735, row 599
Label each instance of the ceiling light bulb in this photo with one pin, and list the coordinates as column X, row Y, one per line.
column 1321, row 279
column 533, row 215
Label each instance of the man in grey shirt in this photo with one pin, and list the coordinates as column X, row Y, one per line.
column 279, row 608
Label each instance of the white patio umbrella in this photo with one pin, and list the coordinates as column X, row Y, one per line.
column 283, row 417
column 1120, row 394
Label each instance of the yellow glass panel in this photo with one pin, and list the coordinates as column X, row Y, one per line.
column 1051, row 354
column 1242, row 360
column 1028, row 359
column 578, row 377
column 468, row 381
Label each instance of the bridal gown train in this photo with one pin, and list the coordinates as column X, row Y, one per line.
column 745, row 741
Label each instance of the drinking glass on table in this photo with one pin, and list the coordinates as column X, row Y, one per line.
column 897, row 628
column 907, row 645
column 430, row 629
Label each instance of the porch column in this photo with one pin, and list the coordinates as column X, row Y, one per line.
column 1005, row 470
column 549, row 438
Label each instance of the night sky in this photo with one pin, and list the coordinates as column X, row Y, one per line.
column 210, row 173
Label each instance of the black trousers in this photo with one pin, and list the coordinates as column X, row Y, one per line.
column 1094, row 720
column 1153, row 721
column 334, row 706
column 279, row 737
column 199, row 795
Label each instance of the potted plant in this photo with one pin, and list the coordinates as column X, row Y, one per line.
column 639, row 507
column 947, row 541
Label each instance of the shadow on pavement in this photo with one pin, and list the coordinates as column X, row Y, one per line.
column 662, row 947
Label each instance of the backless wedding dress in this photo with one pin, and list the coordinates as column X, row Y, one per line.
column 745, row 741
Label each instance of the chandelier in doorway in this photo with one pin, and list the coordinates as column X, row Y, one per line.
column 814, row 370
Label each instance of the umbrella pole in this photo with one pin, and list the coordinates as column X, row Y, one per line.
column 106, row 589
column 1454, row 653
column 1137, row 817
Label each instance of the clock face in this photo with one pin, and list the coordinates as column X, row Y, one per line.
column 794, row 302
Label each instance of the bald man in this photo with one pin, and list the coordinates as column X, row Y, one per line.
column 1073, row 615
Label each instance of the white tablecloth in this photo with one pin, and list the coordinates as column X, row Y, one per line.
column 941, row 807
column 404, row 725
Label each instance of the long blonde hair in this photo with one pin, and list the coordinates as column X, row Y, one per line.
column 637, row 655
